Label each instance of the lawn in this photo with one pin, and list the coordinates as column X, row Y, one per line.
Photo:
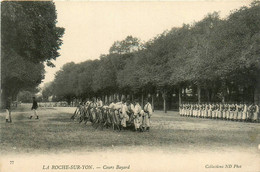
column 56, row 132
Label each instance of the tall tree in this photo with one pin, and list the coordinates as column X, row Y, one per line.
column 29, row 37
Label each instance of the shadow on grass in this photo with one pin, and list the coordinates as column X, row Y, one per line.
column 61, row 118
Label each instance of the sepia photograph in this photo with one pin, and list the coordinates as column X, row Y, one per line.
column 130, row 86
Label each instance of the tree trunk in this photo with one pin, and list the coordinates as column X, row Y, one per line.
column 199, row 93
column 164, row 102
column 142, row 101
column 152, row 103
column 180, row 96
column 257, row 91
column 106, row 99
column 184, row 93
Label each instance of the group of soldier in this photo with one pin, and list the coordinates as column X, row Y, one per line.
column 226, row 111
column 120, row 114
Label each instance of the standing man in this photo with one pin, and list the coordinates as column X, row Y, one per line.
column 99, row 102
column 255, row 113
column 147, row 115
column 8, row 110
column 34, row 108
column 137, row 116
column 124, row 116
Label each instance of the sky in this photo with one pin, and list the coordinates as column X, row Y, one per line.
column 91, row 27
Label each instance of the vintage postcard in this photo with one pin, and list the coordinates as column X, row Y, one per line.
column 130, row 86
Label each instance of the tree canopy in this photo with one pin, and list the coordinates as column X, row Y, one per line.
column 29, row 38
column 217, row 58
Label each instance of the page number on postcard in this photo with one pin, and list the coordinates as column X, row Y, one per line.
column 11, row 162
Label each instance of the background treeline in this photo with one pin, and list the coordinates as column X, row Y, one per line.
column 29, row 38
column 211, row 60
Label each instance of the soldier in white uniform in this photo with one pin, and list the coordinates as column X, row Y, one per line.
column 93, row 106
column 131, row 109
column 191, row 109
column 210, row 111
column 199, row 110
column 138, row 112
column 124, row 116
column 235, row 111
column 255, row 113
column 148, row 111
column 99, row 102
column 195, row 108
column 206, row 110
column 213, row 108
column 231, row 111
column 203, row 110
column 244, row 116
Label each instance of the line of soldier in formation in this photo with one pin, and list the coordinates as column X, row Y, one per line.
column 118, row 115
column 231, row 111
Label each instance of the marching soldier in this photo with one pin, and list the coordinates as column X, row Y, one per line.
column 124, row 116
column 227, row 111
column 99, row 102
column 255, row 113
column 206, row 110
column 185, row 109
column 232, row 109
column 225, row 114
column 137, row 116
column 239, row 112
column 181, row 109
column 194, row 110
column 235, row 112
column 216, row 110
column 248, row 112
column 213, row 110
column 190, row 109
column 199, row 110
column 219, row 111
column 147, row 115
column 203, row 110
column 131, row 109
column 251, row 110
column 210, row 111
column 244, row 116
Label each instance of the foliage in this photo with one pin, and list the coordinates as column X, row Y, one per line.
column 219, row 56
column 29, row 37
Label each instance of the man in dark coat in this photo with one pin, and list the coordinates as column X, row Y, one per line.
column 34, row 108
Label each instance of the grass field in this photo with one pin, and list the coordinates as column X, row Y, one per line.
column 55, row 132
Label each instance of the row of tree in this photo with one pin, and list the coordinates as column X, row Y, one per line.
column 211, row 60
column 29, row 38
